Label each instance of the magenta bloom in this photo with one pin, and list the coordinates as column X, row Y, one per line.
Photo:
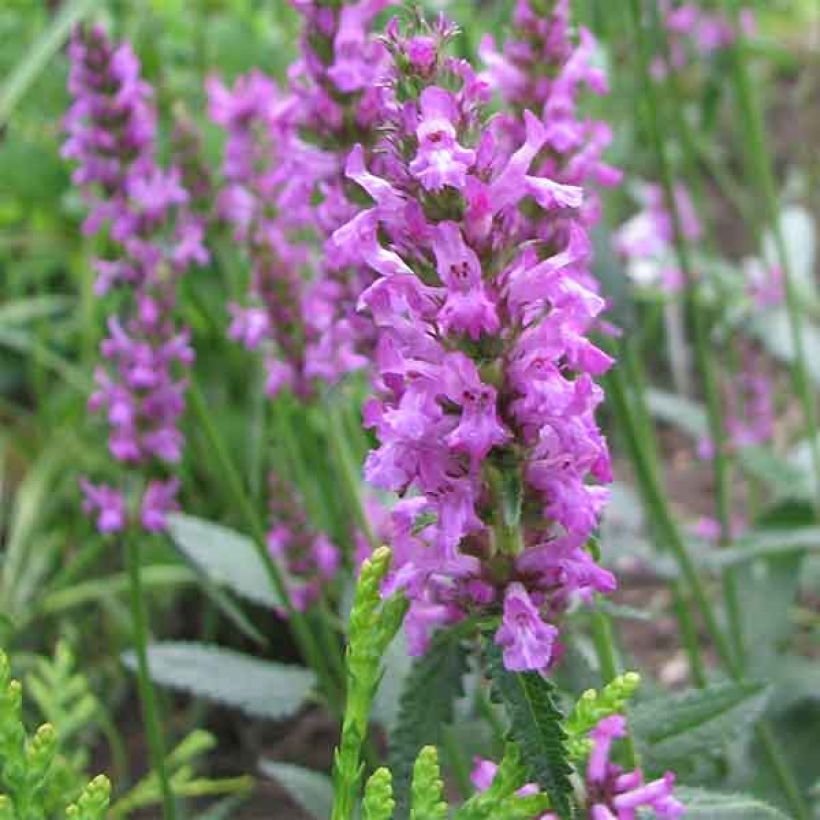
column 615, row 795
column 106, row 503
column 482, row 304
column 527, row 640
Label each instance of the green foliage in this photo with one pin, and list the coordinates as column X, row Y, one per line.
column 427, row 791
column 593, row 707
column 536, row 726
column 431, row 688
column 378, row 802
column 93, row 802
column 705, row 805
column 372, row 626
column 183, row 779
column 258, row 688
column 501, row 799
column 225, row 557
column 34, row 786
column 670, row 728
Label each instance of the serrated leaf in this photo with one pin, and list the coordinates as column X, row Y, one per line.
column 430, row 690
column 258, row 688
column 313, row 791
column 535, row 725
column 225, row 556
column 673, row 727
column 766, row 544
column 706, row 805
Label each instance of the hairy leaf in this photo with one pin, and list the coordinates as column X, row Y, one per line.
column 425, row 707
column 677, row 726
column 688, row 416
column 705, row 805
column 311, row 790
column 535, row 724
column 259, row 688
column 226, row 557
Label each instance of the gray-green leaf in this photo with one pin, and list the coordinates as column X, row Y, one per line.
column 678, row 726
column 225, row 556
column 259, row 688
column 705, row 805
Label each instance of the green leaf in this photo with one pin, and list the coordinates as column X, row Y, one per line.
column 535, row 725
column 225, row 556
column 258, row 688
column 311, row 790
column 25, row 72
column 705, row 805
column 430, row 689
column 677, row 726
column 773, row 329
column 20, row 311
column 766, row 543
column 677, row 411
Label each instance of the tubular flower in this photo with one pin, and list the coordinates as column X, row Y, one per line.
column 284, row 179
column 611, row 793
column 543, row 67
column 484, row 394
column 308, row 559
column 111, row 129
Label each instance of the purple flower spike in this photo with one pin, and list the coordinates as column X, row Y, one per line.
column 482, row 304
column 145, row 209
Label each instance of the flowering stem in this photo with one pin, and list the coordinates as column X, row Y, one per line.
column 305, row 638
column 703, row 354
column 689, row 635
column 664, row 524
column 150, row 714
column 758, row 157
column 721, row 460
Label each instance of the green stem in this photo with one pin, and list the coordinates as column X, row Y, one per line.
column 348, row 468
column 607, row 659
column 663, row 523
column 703, row 352
column 305, row 638
column 758, row 157
column 689, row 635
column 658, row 511
column 150, row 712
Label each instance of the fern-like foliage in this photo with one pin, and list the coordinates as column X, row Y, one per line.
column 535, row 725
column 34, row 782
column 503, row 799
column 592, row 707
column 433, row 685
column 428, row 788
column 378, row 802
